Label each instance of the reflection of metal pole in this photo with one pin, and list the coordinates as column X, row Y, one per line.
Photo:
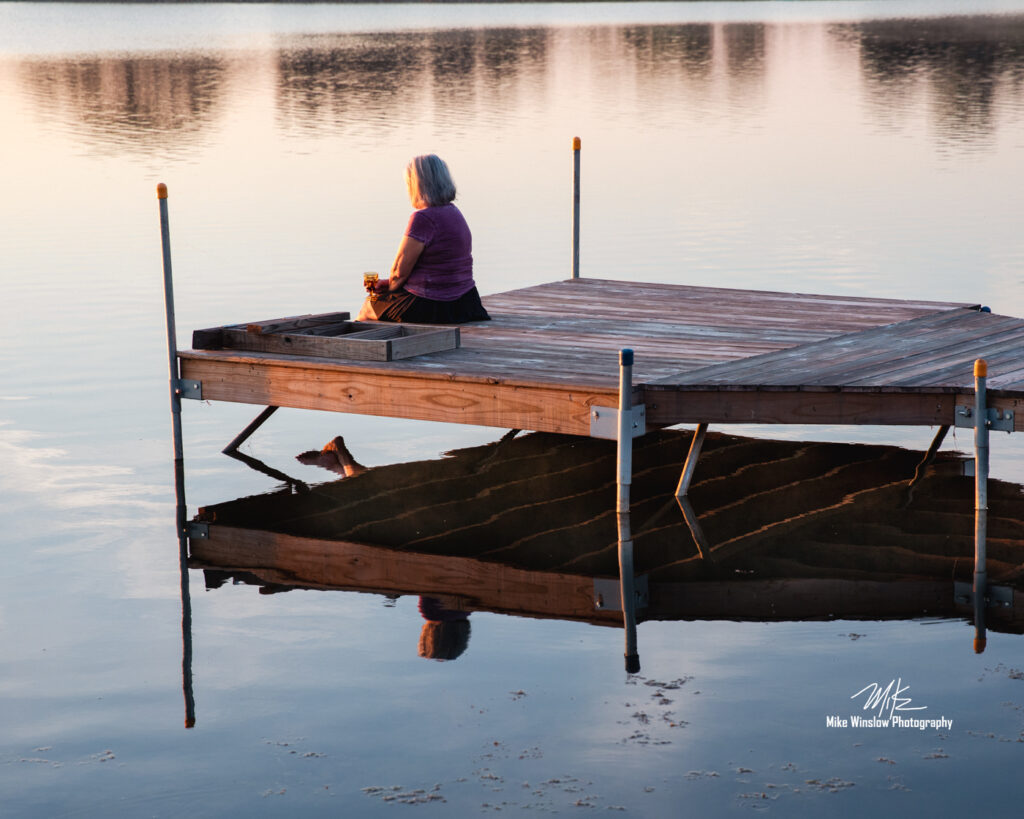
column 179, row 463
column 576, row 207
column 980, row 502
column 703, row 549
column 186, row 597
column 624, row 459
column 259, row 466
column 922, row 467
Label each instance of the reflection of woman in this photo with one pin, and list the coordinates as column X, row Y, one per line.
column 431, row 280
column 335, row 457
column 445, row 635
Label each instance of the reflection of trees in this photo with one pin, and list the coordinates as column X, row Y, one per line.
column 968, row 64
column 129, row 103
column 744, row 44
column 680, row 48
column 389, row 79
column 362, row 80
column 456, row 79
column 700, row 60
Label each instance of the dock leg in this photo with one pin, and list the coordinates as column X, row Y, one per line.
column 172, row 341
column 624, row 459
column 691, row 460
column 980, row 503
column 254, row 425
column 180, row 508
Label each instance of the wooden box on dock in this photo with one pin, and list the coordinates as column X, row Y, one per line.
column 330, row 335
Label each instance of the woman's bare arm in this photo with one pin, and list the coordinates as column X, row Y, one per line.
column 408, row 252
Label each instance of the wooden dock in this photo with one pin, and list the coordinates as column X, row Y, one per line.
column 701, row 355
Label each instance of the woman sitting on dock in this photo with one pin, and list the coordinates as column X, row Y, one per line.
column 431, row 280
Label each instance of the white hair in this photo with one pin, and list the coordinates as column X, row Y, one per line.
column 430, row 178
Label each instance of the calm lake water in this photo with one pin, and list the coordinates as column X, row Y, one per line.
column 854, row 148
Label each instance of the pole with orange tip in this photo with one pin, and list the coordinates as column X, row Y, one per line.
column 981, row 423
column 179, row 463
column 172, row 341
column 576, row 207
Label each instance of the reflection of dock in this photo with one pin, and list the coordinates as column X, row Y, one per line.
column 796, row 531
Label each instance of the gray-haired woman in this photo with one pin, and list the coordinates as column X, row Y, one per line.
column 431, row 280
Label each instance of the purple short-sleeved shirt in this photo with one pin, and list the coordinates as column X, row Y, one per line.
column 444, row 270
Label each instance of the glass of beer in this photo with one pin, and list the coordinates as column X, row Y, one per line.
column 370, row 283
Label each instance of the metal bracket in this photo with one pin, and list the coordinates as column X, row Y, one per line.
column 187, row 388
column 608, row 593
column 197, row 530
column 995, row 418
column 998, row 597
column 604, row 422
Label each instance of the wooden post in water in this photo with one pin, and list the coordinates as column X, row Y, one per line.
column 980, row 502
column 179, row 461
column 576, row 207
column 627, row 580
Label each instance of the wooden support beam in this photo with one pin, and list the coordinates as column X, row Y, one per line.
column 666, row 407
column 388, row 392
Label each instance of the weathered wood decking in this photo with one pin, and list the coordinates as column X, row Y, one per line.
column 702, row 354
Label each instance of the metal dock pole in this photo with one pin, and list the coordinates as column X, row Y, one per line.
column 179, row 461
column 981, row 424
column 624, row 458
column 172, row 341
column 576, row 207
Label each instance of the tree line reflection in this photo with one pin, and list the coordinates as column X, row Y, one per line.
column 965, row 65
column 965, row 69
column 133, row 103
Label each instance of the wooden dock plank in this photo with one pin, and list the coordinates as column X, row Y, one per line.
column 837, row 356
column 292, row 323
column 928, row 353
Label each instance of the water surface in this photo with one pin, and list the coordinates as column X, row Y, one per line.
column 852, row 148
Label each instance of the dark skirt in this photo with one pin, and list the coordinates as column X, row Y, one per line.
column 406, row 307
